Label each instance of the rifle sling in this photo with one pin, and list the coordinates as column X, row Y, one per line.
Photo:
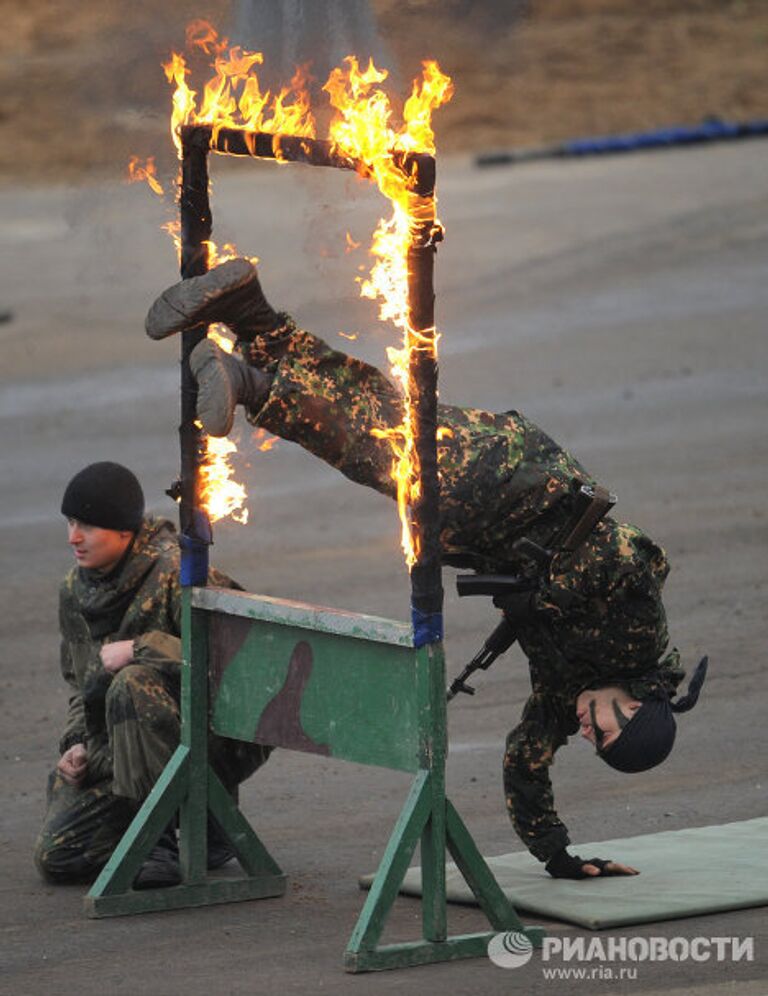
column 602, row 501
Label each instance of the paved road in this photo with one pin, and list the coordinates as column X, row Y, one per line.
column 620, row 303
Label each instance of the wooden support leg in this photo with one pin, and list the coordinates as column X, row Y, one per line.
column 391, row 871
column 363, row 954
column 251, row 853
column 479, row 877
column 433, row 840
column 111, row 893
column 188, row 786
column 429, row 814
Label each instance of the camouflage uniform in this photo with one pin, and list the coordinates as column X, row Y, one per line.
column 129, row 721
column 597, row 618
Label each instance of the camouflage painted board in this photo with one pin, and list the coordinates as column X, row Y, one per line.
column 322, row 681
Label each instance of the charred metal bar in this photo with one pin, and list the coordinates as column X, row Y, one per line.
column 196, row 224
column 426, row 585
column 264, row 145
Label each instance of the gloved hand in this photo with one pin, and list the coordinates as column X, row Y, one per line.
column 565, row 865
column 229, row 293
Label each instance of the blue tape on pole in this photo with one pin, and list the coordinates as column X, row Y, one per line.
column 194, row 561
column 427, row 627
column 194, row 550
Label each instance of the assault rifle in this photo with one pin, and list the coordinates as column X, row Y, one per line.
column 501, row 587
column 512, row 592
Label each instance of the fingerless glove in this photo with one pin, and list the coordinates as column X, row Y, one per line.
column 565, row 865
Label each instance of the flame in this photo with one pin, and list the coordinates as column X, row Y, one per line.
column 228, row 251
column 215, row 255
column 348, row 335
column 363, row 129
column 264, row 440
column 233, row 96
column 201, row 34
column 173, row 228
column 220, row 335
column 138, row 172
column 219, row 494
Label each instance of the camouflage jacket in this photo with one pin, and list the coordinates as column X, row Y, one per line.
column 596, row 617
column 139, row 600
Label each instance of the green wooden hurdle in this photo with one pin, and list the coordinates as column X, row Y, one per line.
column 343, row 685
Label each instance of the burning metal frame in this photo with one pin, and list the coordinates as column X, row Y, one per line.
column 197, row 142
column 392, row 677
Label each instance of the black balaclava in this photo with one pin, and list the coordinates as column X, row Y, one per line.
column 107, row 495
column 647, row 738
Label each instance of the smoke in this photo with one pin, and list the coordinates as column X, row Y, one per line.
column 297, row 32
column 320, row 34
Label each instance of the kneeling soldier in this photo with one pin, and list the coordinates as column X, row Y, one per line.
column 119, row 616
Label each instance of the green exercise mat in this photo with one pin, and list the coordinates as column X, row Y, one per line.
column 682, row 873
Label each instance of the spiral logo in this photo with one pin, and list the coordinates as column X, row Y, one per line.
column 510, row 950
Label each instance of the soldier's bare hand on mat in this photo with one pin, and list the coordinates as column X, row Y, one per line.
column 73, row 765
column 115, row 656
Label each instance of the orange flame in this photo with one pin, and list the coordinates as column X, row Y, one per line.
column 228, row 251
column 264, row 440
column 201, row 34
column 220, row 335
column 173, row 228
column 215, row 255
column 233, row 97
column 219, row 494
column 138, row 172
column 364, row 129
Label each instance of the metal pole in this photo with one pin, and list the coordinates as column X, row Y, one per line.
column 195, row 534
column 196, row 224
column 426, row 583
column 289, row 148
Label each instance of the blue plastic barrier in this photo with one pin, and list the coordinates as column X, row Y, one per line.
column 711, row 130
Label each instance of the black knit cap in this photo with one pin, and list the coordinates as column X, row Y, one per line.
column 648, row 737
column 107, row 495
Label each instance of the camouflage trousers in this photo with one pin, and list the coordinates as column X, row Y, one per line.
column 500, row 476
column 83, row 825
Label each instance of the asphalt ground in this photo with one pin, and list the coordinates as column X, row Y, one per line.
column 618, row 302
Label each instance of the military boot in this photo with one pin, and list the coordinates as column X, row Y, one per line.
column 223, row 381
column 220, row 851
column 229, row 293
column 162, row 868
